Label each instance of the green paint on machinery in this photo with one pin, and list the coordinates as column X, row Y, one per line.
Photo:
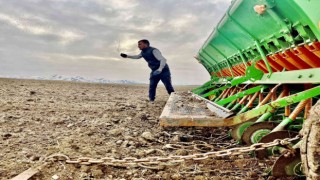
column 264, row 61
column 244, row 36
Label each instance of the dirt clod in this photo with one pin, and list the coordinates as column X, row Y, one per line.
column 147, row 136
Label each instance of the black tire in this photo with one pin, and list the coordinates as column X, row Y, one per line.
column 310, row 147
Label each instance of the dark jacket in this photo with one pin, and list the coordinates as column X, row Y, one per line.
column 152, row 61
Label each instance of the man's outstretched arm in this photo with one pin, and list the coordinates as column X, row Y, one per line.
column 131, row 56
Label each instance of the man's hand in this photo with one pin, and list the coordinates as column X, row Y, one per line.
column 123, row 55
column 156, row 73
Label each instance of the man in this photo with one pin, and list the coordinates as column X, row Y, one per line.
column 158, row 65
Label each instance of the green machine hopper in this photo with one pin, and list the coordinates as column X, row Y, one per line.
column 264, row 62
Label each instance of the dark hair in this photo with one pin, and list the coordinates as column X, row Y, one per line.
column 145, row 41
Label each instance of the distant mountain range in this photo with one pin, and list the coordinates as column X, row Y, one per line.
column 78, row 79
column 82, row 79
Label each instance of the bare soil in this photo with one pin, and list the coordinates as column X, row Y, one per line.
column 40, row 118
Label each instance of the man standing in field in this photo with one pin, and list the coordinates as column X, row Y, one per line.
column 158, row 65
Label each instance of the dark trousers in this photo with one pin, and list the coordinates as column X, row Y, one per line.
column 165, row 77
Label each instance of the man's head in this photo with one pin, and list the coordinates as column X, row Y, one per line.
column 142, row 44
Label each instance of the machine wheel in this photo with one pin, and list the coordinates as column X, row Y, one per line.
column 310, row 147
column 256, row 131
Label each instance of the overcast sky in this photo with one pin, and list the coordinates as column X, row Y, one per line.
column 85, row 37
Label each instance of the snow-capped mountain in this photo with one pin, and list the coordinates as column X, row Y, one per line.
column 75, row 79
column 82, row 79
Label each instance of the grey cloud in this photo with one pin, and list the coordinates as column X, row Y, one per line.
column 97, row 29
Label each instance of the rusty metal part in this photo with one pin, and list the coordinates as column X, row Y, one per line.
column 287, row 111
column 222, row 94
column 234, row 91
column 274, row 97
column 266, row 99
column 309, row 103
column 227, row 92
column 284, row 166
column 252, row 99
column 247, row 134
column 243, row 99
column 269, row 95
column 298, row 109
column 307, row 108
column 261, row 154
column 292, row 116
column 261, row 97
column 285, row 92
